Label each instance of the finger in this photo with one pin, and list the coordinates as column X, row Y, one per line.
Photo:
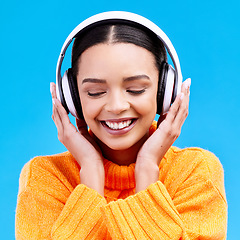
column 183, row 101
column 183, row 109
column 173, row 111
column 56, row 119
column 182, row 113
column 186, row 86
column 53, row 90
column 62, row 112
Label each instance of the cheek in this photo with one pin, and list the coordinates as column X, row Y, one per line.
column 147, row 105
column 89, row 109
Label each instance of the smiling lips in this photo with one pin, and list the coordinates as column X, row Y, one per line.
column 119, row 126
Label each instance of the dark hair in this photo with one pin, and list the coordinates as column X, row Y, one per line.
column 117, row 33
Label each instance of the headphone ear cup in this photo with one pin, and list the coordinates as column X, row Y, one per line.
column 75, row 99
column 67, row 96
column 169, row 89
column 60, row 93
column 166, row 89
column 161, row 86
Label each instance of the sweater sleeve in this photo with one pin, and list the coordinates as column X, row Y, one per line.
column 51, row 211
column 197, row 209
column 81, row 217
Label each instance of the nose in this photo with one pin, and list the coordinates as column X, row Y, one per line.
column 117, row 103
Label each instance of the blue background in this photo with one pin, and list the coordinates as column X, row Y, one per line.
column 206, row 36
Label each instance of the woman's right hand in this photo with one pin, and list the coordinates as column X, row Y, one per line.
column 80, row 144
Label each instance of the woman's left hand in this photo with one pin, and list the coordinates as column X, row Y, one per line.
column 153, row 150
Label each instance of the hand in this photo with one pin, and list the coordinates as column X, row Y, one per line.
column 153, row 150
column 80, row 144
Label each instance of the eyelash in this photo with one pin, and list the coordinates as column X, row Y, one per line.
column 133, row 92
column 138, row 92
column 95, row 94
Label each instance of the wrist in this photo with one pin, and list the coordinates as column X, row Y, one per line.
column 146, row 174
column 93, row 176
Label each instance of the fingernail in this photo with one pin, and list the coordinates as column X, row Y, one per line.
column 188, row 83
column 54, row 102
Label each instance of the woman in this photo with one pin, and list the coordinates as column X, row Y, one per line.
column 122, row 179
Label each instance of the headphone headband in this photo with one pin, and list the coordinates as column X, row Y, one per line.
column 121, row 15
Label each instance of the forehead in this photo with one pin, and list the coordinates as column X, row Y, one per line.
column 119, row 57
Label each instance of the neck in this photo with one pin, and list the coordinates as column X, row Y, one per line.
column 124, row 156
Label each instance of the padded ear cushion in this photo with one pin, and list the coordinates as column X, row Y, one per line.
column 169, row 89
column 60, row 94
column 176, row 89
column 161, row 86
column 74, row 93
column 67, row 95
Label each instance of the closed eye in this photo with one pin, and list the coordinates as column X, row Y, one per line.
column 136, row 92
column 96, row 94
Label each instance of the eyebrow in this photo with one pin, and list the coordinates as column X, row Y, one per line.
column 93, row 80
column 128, row 79
column 136, row 77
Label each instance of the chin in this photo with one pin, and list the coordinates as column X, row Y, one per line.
column 119, row 147
column 121, row 144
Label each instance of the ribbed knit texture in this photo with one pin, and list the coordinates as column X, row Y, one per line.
column 188, row 201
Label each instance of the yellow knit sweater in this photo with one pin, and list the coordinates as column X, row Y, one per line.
column 188, row 201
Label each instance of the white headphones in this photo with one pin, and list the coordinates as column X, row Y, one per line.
column 170, row 79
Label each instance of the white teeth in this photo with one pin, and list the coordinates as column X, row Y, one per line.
column 119, row 125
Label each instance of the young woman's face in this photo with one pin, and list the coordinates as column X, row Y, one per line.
column 118, row 86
